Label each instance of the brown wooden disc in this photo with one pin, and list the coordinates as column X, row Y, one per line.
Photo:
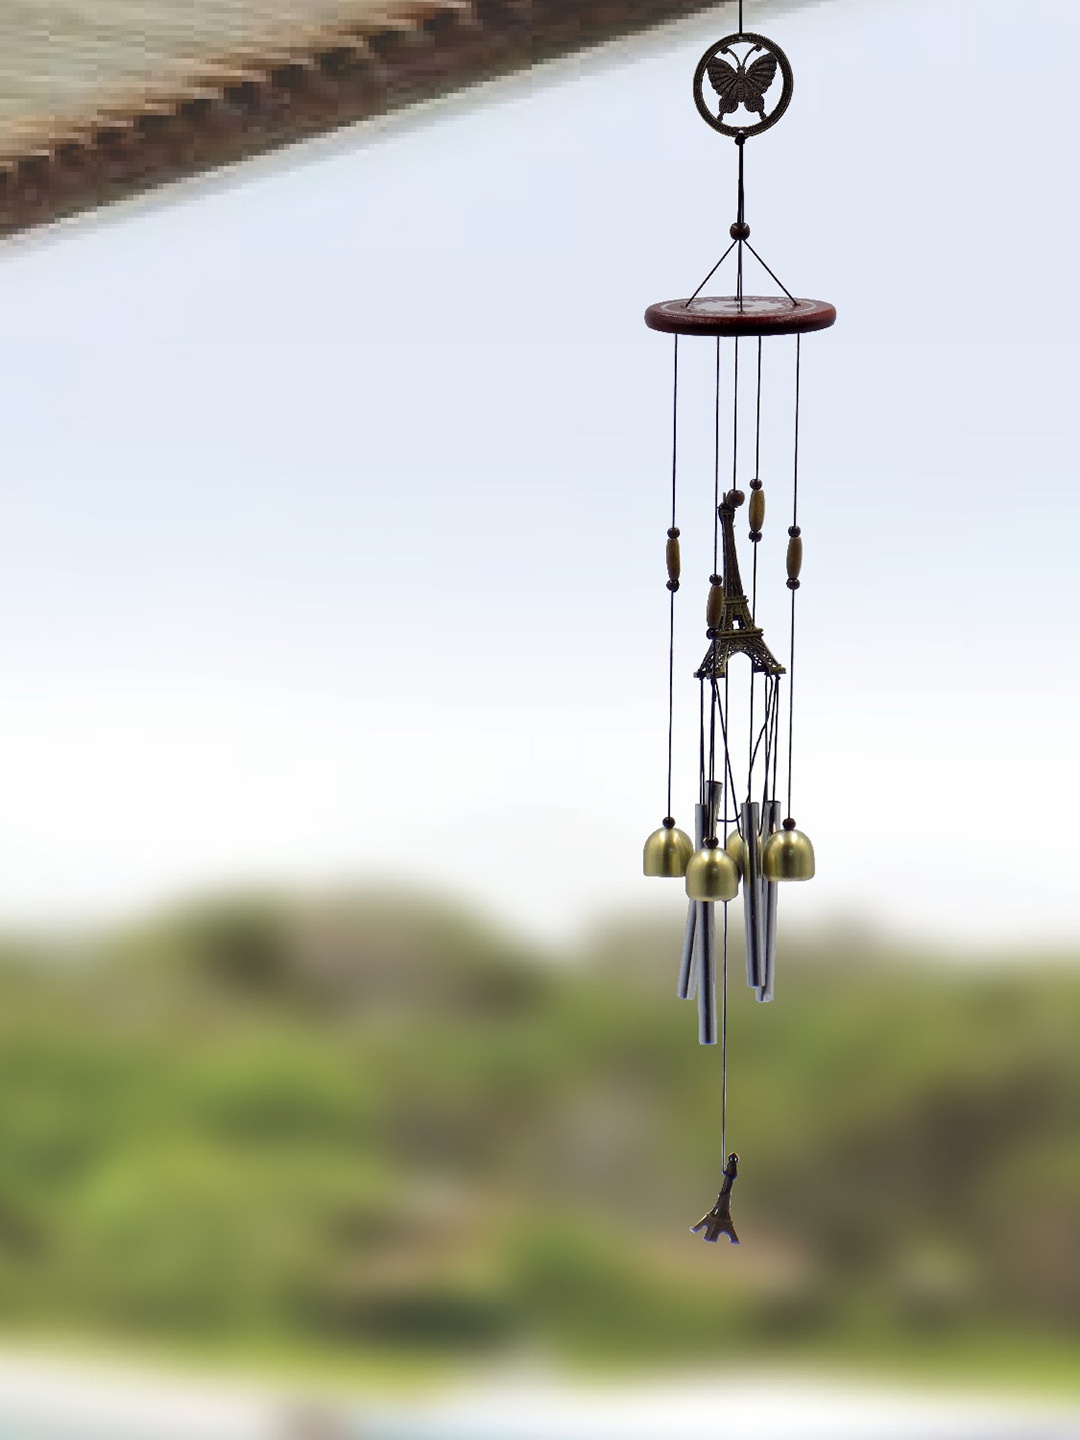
column 724, row 315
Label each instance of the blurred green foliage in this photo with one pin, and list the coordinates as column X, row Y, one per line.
column 371, row 1124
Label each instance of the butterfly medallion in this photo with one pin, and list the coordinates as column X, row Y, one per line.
column 743, row 84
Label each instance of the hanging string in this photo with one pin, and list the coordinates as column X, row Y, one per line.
column 728, row 792
column 724, row 982
column 757, row 417
column 671, row 699
column 794, row 531
column 791, row 703
column 757, row 470
column 771, row 272
column 729, row 777
column 772, row 696
column 766, row 734
column 716, row 466
column 776, row 738
column 673, row 532
column 701, row 742
column 674, row 425
column 712, row 757
column 716, row 541
column 711, row 273
column 753, row 584
column 762, row 739
column 740, row 145
column 795, row 454
column 735, row 418
column 723, row 1044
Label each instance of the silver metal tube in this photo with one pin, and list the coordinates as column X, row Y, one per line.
column 714, row 794
column 688, row 970
column 752, row 896
column 770, row 822
column 694, row 934
column 701, row 819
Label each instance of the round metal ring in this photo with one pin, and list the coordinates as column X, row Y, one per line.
column 742, row 84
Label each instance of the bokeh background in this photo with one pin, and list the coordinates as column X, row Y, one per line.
column 373, row 1134
column 337, row 1027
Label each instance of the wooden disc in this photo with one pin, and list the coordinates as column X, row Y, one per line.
column 723, row 315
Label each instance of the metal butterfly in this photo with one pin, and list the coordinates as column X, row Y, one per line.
column 742, row 86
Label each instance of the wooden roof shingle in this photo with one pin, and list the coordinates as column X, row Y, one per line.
column 102, row 98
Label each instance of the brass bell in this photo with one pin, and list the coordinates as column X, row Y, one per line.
column 667, row 851
column 712, row 874
column 736, row 848
column 787, row 855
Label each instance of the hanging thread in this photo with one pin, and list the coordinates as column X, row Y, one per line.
column 794, row 564
column 673, row 566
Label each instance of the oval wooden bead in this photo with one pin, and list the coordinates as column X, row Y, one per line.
column 715, row 607
column 674, row 561
column 757, row 509
column 794, row 557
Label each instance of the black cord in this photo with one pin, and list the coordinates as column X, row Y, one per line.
column 791, row 704
column 735, row 418
column 794, row 527
column 776, row 277
column 673, row 534
column 753, row 585
column 671, row 701
column 711, row 273
column 757, row 419
column 701, row 743
column 674, row 426
column 740, row 144
column 724, row 985
column 723, row 1045
column 730, row 776
column 716, row 469
column 795, row 454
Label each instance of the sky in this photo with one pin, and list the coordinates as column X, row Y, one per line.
column 334, row 494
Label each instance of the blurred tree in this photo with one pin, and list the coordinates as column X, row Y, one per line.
column 296, row 1126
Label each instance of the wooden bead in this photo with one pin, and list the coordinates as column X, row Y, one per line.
column 757, row 509
column 674, row 561
column 794, row 557
column 715, row 606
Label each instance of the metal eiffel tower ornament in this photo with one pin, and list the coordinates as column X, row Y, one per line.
column 718, row 1221
column 742, row 86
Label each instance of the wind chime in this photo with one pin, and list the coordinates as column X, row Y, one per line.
column 744, row 837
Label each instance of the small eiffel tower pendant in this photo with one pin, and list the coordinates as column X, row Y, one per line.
column 718, row 1221
column 734, row 632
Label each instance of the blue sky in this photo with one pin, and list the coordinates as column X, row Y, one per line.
column 333, row 498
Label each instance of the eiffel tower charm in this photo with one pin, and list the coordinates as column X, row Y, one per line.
column 718, row 1221
column 733, row 631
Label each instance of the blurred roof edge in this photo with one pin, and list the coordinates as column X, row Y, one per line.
column 128, row 131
